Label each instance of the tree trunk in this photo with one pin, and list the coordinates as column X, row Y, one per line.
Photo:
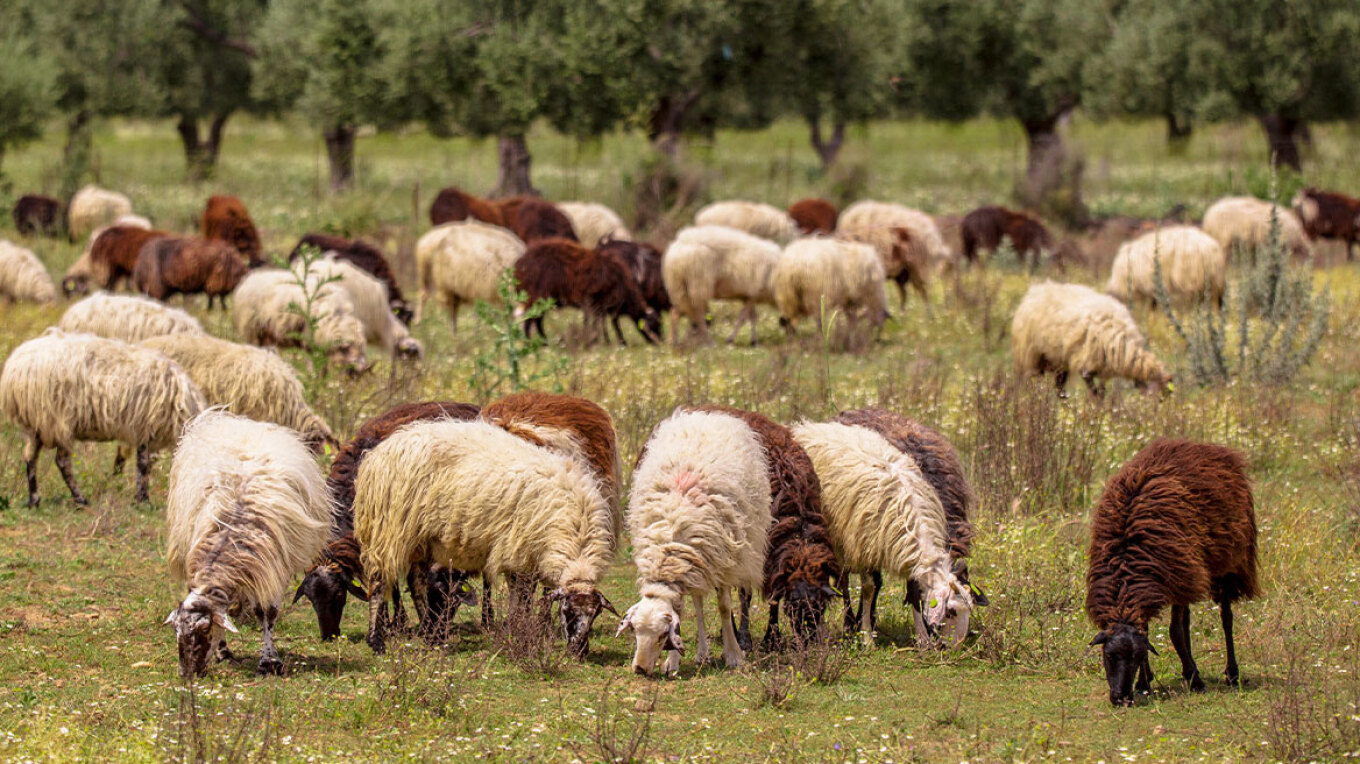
column 1052, row 178
column 515, row 160
column 76, row 153
column 340, row 153
column 1178, row 133
column 827, row 151
column 668, row 122
column 1282, row 135
column 200, row 156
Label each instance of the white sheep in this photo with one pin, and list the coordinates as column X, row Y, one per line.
column 755, row 218
column 907, row 240
column 268, row 307
column 463, row 262
column 1193, row 266
column 699, row 515
column 247, row 511
column 131, row 318
column 1070, row 327
column 1244, row 222
column 60, row 388
column 709, row 263
column 471, row 496
column 817, row 275
column 250, row 381
column 92, row 207
column 371, row 306
column 23, row 278
column 594, row 222
column 882, row 514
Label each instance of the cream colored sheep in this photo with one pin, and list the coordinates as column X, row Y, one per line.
column 821, row 274
column 92, row 207
column 471, row 496
column 594, row 222
column 252, row 382
column 882, row 514
column 709, row 263
column 268, row 306
column 23, row 277
column 907, row 240
column 1244, row 221
column 371, row 306
column 1193, row 265
column 60, row 388
column 463, row 262
column 1070, row 327
column 699, row 514
column 755, row 218
column 247, row 511
column 131, row 318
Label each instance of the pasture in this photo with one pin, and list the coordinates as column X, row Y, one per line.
column 90, row 672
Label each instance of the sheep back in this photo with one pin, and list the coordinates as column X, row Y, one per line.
column 92, row 207
column 594, row 223
column 1244, row 221
column 173, row 265
column 874, row 223
column 1060, row 327
column 814, row 215
column 817, row 273
column 466, row 260
column 451, row 205
column 755, row 218
column 538, row 219
column 23, row 277
column 225, row 219
column 131, row 318
column 1193, row 265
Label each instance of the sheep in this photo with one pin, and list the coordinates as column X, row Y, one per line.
column 594, row 223
column 478, row 498
column 365, row 256
column 35, row 213
column 884, row 515
column 267, row 310
column 131, row 318
column 60, row 388
column 1243, row 222
column 814, row 215
column 1175, row 526
column 23, row 278
column 816, row 276
column 644, row 263
column 1326, row 215
column 247, row 510
column 225, row 219
column 699, row 517
column 249, row 381
column 464, row 262
column 1193, row 266
column 369, row 299
column 92, row 207
column 1070, row 327
column 907, row 241
column 187, row 265
column 598, row 283
column 333, row 575
column 755, row 218
column 986, row 227
column 110, row 259
column 718, row 263
column 536, row 219
column 452, row 205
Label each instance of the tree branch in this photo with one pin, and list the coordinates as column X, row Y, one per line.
column 197, row 25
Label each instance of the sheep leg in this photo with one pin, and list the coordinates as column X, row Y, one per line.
column 866, row 596
column 618, row 331
column 64, row 464
column 873, row 604
column 744, row 630
column 1090, row 379
column 269, row 655
column 119, row 459
column 31, row 451
column 673, row 660
column 732, row 653
column 398, row 621
column 1144, row 684
column 1180, row 639
column 488, row 612
column 1225, row 609
column 377, row 614
column 850, row 618
column 701, row 633
column 746, row 309
column 143, row 473
column 771, row 641
column 1060, row 381
column 418, row 583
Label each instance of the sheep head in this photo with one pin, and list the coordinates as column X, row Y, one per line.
column 657, row 627
column 947, row 603
column 199, row 623
column 805, row 603
column 327, row 586
column 579, row 606
column 1124, row 651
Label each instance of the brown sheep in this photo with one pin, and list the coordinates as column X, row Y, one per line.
column 365, row 256
column 537, row 219
column 187, row 265
column 986, row 227
column 1175, row 526
column 508, row 208
column 1326, row 215
column 596, row 281
column 34, row 213
column 113, row 257
column 225, row 219
column 644, row 262
column 814, row 215
column 452, row 204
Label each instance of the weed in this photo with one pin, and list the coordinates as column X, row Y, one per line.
column 514, row 359
column 616, row 735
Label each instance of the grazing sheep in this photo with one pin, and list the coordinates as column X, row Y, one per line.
column 884, row 515
column 986, row 227
column 755, row 218
column 1194, row 267
column 187, row 265
column 907, row 240
column 131, row 318
column 477, row 498
column 1070, row 327
column 225, row 219
column 35, row 213
column 708, row 263
column 463, row 262
column 699, row 516
column 266, row 309
column 247, row 511
column 1325, row 215
column 509, row 210
column 92, row 207
column 60, row 388
column 594, row 223
column 814, row 215
column 644, row 263
column 598, row 283
column 365, row 256
column 23, row 277
column 1175, row 526
column 536, row 219
column 452, row 205
column 1243, row 222
column 369, row 299
column 816, row 276
column 111, row 258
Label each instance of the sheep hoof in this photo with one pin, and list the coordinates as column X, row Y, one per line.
column 1196, row 684
column 269, row 667
column 33, row 501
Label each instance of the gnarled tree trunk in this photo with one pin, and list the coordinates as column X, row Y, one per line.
column 1178, row 132
column 668, row 122
column 827, row 151
column 340, row 153
column 515, row 160
column 200, row 156
column 75, row 155
column 1282, row 134
column 1052, row 178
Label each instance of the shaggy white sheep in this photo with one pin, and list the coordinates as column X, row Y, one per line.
column 820, row 274
column 60, row 388
column 267, row 309
column 1244, row 222
column 1193, row 265
column 755, row 218
column 907, row 240
column 474, row 497
column 594, row 222
column 882, row 514
column 23, row 278
column 92, row 207
column 699, row 515
column 131, row 318
column 371, row 306
column 464, row 261
column 1070, row 327
column 247, row 511
column 718, row 263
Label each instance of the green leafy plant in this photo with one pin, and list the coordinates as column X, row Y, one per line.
column 514, row 359
column 317, row 371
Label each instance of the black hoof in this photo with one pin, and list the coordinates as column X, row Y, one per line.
column 269, row 667
column 1197, row 684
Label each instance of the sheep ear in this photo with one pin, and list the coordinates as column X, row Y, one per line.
column 625, row 624
column 223, row 620
column 1100, row 639
column 466, row 594
column 605, row 603
column 673, row 641
column 979, row 597
column 358, row 591
column 829, row 591
column 169, row 619
column 297, row 595
column 1152, row 649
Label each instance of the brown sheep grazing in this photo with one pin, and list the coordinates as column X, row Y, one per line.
column 1325, row 215
column 536, row 219
column 365, row 256
column 34, row 213
column 596, row 281
column 644, row 262
column 986, row 227
column 187, row 265
column 1175, row 526
column 113, row 257
column 452, row 205
column 225, row 219
column 814, row 215
column 329, row 581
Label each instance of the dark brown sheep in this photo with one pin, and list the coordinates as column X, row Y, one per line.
column 596, row 281
column 365, row 256
column 508, row 209
column 644, row 262
column 225, row 219
column 113, row 257
column 986, row 227
column 536, row 219
column 814, row 215
column 34, row 213
column 1175, row 526
column 452, row 205
column 1329, row 215
column 187, row 265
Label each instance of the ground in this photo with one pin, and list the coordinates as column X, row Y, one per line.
column 90, row 672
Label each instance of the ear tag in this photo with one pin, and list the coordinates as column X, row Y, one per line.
column 933, row 602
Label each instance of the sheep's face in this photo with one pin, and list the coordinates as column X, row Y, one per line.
column 1124, row 651
column 328, row 588
column 446, row 590
column 73, row 285
column 351, row 355
column 650, row 325
column 579, row 609
column 408, row 347
column 805, row 603
column 198, row 628
column 947, row 609
column 657, row 627
column 403, row 311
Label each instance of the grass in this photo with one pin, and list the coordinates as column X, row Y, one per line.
column 91, row 672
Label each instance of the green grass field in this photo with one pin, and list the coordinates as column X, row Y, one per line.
column 90, row 673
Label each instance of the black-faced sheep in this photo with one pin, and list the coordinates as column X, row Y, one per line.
column 463, row 262
column 131, row 318
column 707, row 263
column 1243, row 223
column 23, row 278
column 1327, row 215
column 755, row 218
column 814, row 215
column 225, row 219
column 598, row 283
column 594, row 223
column 365, row 256
column 187, row 265
column 35, row 213
column 1193, row 265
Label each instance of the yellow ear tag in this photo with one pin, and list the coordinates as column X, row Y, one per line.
column 934, row 603
column 326, row 449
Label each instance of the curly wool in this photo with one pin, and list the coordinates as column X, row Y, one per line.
column 92, row 207
column 594, row 223
column 463, row 262
column 23, row 278
column 1244, row 221
column 1193, row 264
column 130, row 318
column 817, row 275
column 873, row 222
column 755, row 218
column 1070, row 327
column 369, row 298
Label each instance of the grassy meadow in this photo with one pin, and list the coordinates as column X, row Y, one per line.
column 89, row 672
